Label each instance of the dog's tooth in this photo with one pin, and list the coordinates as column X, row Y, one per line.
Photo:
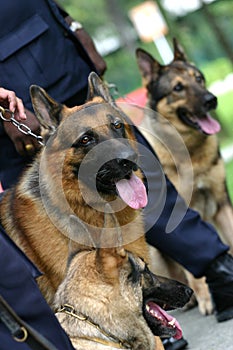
column 153, row 312
column 172, row 322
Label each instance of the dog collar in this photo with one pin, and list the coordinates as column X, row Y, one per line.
column 114, row 342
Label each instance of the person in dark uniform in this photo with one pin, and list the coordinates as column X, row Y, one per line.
column 18, row 275
column 40, row 44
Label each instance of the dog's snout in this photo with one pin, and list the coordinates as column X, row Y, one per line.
column 126, row 163
column 128, row 156
column 210, row 101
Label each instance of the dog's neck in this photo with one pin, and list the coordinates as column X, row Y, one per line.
column 105, row 338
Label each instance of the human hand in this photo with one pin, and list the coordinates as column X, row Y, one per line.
column 26, row 145
column 9, row 100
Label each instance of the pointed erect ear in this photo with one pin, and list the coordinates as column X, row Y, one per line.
column 46, row 109
column 96, row 87
column 148, row 66
column 179, row 54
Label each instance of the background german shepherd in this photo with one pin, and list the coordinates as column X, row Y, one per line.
column 109, row 297
column 178, row 94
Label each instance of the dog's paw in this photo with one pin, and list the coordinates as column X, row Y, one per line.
column 205, row 306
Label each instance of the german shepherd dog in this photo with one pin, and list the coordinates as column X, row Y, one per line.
column 109, row 299
column 89, row 159
column 178, row 95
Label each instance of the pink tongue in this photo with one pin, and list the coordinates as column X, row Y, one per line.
column 158, row 312
column 132, row 192
column 209, row 125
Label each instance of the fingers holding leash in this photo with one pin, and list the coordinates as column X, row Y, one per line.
column 9, row 100
column 25, row 144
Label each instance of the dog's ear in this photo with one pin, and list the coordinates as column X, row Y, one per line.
column 47, row 110
column 148, row 66
column 179, row 54
column 96, row 87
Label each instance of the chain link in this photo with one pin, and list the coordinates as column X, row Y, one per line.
column 20, row 126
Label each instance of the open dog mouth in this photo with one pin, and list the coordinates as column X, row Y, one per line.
column 118, row 177
column 160, row 322
column 205, row 123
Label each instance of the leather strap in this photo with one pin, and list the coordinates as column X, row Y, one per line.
column 21, row 331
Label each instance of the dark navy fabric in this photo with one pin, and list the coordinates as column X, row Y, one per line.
column 192, row 242
column 18, row 287
column 37, row 47
column 11, row 163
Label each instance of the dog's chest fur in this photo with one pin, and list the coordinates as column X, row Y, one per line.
column 189, row 167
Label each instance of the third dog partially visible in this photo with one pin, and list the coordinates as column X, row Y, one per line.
column 109, row 299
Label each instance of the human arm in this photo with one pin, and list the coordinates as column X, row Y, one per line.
column 89, row 46
column 85, row 39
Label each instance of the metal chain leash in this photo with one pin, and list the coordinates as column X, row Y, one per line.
column 20, row 126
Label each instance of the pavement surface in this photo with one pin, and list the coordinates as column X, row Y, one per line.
column 204, row 332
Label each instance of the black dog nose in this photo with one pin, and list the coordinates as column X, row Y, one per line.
column 189, row 292
column 125, row 163
column 210, row 101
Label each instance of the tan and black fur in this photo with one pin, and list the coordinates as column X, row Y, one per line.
column 105, row 301
column 36, row 212
column 88, row 149
column 189, row 155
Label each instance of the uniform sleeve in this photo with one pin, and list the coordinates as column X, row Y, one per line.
column 19, row 288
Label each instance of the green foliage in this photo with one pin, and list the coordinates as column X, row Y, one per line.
column 216, row 70
column 225, row 114
column 123, row 70
column 92, row 13
column 229, row 172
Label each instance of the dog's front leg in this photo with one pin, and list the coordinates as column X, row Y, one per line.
column 201, row 292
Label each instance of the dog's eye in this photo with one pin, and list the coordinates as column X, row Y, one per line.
column 86, row 139
column 118, row 124
column 178, row 87
column 199, row 79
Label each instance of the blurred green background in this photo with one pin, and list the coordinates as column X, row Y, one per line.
column 205, row 33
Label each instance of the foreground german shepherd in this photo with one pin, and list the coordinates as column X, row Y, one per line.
column 89, row 159
column 178, row 94
column 110, row 299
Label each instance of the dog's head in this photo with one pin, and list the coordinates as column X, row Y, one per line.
column 93, row 143
column 116, row 290
column 178, row 92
